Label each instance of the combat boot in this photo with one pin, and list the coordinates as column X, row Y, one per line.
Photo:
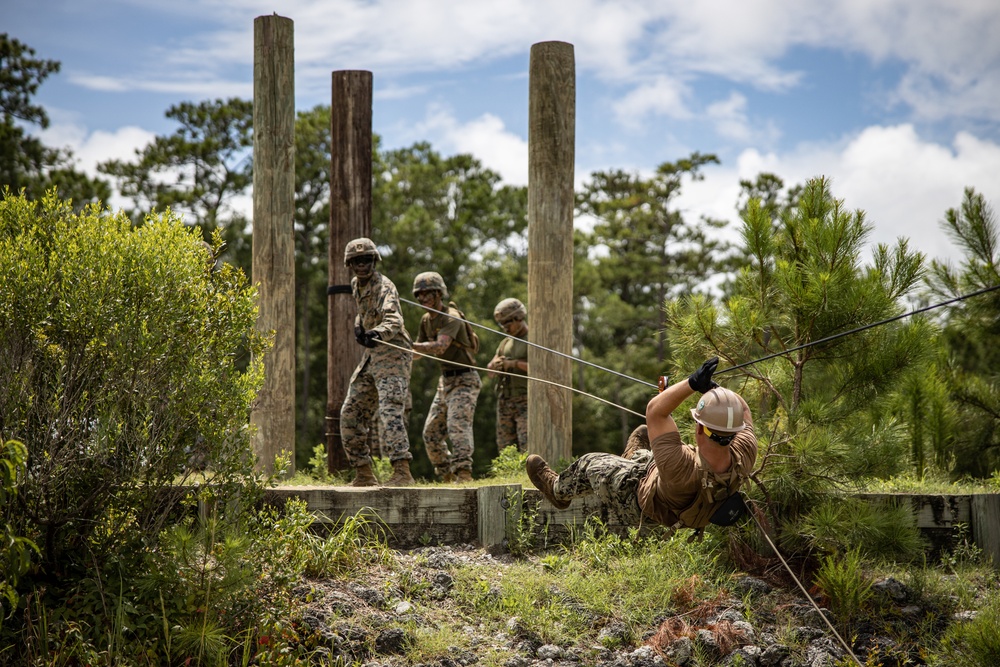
column 363, row 476
column 463, row 475
column 638, row 440
column 400, row 474
column 544, row 479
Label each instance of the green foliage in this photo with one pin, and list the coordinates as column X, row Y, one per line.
column 119, row 346
column 822, row 410
column 15, row 550
column 974, row 642
column 521, row 525
column 842, row 579
column 972, row 337
column 877, row 530
column 640, row 251
column 312, row 275
column 318, row 467
column 215, row 587
column 197, row 170
column 25, row 162
column 508, row 463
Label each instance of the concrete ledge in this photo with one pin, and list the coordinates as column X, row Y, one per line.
column 490, row 515
column 414, row 516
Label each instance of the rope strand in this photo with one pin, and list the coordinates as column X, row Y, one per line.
column 528, row 377
column 536, row 345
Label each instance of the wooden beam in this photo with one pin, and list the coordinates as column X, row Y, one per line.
column 350, row 218
column 986, row 524
column 551, row 153
column 273, row 268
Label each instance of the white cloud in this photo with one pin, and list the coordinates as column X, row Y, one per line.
column 92, row 148
column 732, row 122
column 948, row 55
column 902, row 182
column 485, row 137
column 662, row 96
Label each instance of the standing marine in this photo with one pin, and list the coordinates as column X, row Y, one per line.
column 381, row 382
column 445, row 335
column 511, row 358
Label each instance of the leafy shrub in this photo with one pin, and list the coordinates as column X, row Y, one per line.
column 15, row 551
column 508, row 463
column 119, row 348
column 843, row 581
column 976, row 642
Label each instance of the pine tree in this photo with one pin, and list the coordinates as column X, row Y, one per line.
column 972, row 336
column 821, row 407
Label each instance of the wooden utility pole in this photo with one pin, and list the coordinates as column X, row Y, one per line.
column 273, row 241
column 350, row 218
column 551, row 152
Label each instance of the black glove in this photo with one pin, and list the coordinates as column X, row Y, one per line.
column 370, row 338
column 359, row 334
column 701, row 379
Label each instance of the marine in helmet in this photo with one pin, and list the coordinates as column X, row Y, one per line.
column 444, row 334
column 381, row 382
column 511, row 359
column 669, row 482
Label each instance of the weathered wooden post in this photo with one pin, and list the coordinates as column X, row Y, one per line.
column 551, row 152
column 273, row 265
column 350, row 218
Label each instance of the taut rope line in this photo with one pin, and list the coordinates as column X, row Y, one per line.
column 528, row 377
column 540, row 347
column 860, row 329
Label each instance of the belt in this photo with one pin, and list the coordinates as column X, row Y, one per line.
column 457, row 371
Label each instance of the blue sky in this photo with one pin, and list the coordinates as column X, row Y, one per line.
column 898, row 101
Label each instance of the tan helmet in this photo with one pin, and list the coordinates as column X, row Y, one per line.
column 429, row 280
column 721, row 410
column 359, row 247
column 509, row 309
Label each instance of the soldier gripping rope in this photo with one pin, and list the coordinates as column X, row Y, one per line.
column 445, row 335
column 662, row 478
column 512, row 387
column 381, row 382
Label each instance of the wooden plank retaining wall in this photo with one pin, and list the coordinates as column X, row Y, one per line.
column 489, row 515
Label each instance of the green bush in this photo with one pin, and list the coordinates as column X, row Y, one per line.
column 15, row 550
column 975, row 643
column 508, row 463
column 128, row 364
column 842, row 579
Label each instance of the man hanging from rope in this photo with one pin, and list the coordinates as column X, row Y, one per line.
column 671, row 483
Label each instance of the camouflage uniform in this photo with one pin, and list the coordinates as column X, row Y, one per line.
column 454, row 405
column 613, row 479
column 512, row 398
column 381, row 382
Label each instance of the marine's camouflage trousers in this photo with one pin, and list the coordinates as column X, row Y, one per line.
column 615, row 481
column 388, row 396
column 512, row 422
column 450, row 417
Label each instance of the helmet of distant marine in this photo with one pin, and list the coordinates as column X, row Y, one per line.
column 428, row 281
column 359, row 247
column 509, row 309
